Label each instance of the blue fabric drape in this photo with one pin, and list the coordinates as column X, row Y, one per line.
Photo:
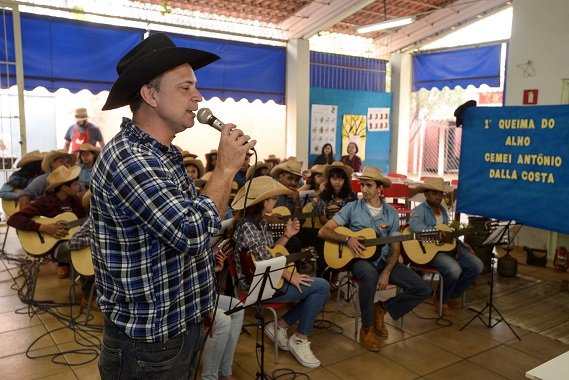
column 474, row 66
column 59, row 53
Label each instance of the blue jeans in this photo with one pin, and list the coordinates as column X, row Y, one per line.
column 125, row 358
column 415, row 289
column 219, row 350
column 310, row 303
column 458, row 272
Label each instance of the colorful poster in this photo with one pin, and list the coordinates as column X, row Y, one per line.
column 378, row 119
column 323, row 127
column 354, row 130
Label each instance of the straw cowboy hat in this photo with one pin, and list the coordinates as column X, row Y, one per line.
column 81, row 114
column 53, row 155
column 252, row 169
column 197, row 163
column 375, row 174
column 317, row 169
column 433, row 183
column 61, row 175
column 151, row 57
column 213, row 151
column 86, row 147
column 291, row 166
column 34, row 155
column 86, row 199
column 273, row 158
column 263, row 187
column 338, row 165
column 186, row 154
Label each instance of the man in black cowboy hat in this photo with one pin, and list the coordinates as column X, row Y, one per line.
column 151, row 248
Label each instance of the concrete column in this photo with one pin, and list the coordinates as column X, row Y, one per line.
column 297, row 99
column 401, row 65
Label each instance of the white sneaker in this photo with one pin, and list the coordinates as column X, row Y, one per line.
column 282, row 336
column 300, row 349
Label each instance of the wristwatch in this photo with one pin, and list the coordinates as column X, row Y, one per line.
column 346, row 239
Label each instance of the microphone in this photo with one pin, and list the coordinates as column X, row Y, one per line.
column 206, row 117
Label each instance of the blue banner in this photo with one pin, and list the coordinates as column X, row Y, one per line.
column 514, row 165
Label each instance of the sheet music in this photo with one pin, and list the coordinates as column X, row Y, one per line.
column 276, row 266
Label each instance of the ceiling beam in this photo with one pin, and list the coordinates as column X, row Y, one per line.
column 437, row 22
column 318, row 16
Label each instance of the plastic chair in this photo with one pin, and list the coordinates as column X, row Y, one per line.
column 396, row 175
column 398, row 193
column 350, row 285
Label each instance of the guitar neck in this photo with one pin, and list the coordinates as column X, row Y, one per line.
column 76, row 223
column 387, row 240
column 430, row 235
column 304, row 215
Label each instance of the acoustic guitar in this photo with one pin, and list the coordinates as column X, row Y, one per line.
column 338, row 255
column 247, row 260
column 421, row 252
column 280, row 215
column 283, row 214
column 37, row 243
column 10, row 207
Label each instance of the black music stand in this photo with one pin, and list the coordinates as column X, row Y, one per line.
column 500, row 234
column 263, row 287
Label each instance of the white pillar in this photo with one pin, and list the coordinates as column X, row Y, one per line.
column 297, row 99
column 401, row 65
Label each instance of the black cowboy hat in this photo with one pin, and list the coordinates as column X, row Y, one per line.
column 150, row 58
column 460, row 110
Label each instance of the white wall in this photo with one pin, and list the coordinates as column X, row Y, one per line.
column 48, row 115
column 540, row 32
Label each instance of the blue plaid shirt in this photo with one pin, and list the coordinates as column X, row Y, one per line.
column 151, row 238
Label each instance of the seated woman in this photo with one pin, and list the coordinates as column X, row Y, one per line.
column 337, row 191
column 336, row 194
column 352, row 159
column 252, row 234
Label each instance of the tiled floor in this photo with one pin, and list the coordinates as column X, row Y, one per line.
column 423, row 350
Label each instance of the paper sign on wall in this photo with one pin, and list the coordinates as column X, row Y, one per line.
column 323, row 127
column 378, row 119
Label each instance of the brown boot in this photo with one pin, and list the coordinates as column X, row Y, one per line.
column 446, row 308
column 455, row 303
column 378, row 314
column 368, row 339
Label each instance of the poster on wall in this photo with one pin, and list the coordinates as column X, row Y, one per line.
column 323, row 127
column 354, row 130
column 378, row 119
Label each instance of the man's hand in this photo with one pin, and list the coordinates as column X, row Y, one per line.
column 57, row 230
column 383, row 280
column 233, row 146
column 356, row 247
column 219, row 261
column 298, row 279
column 292, row 227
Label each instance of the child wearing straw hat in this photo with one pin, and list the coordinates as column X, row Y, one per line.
column 459, row 268
column 252, row 234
